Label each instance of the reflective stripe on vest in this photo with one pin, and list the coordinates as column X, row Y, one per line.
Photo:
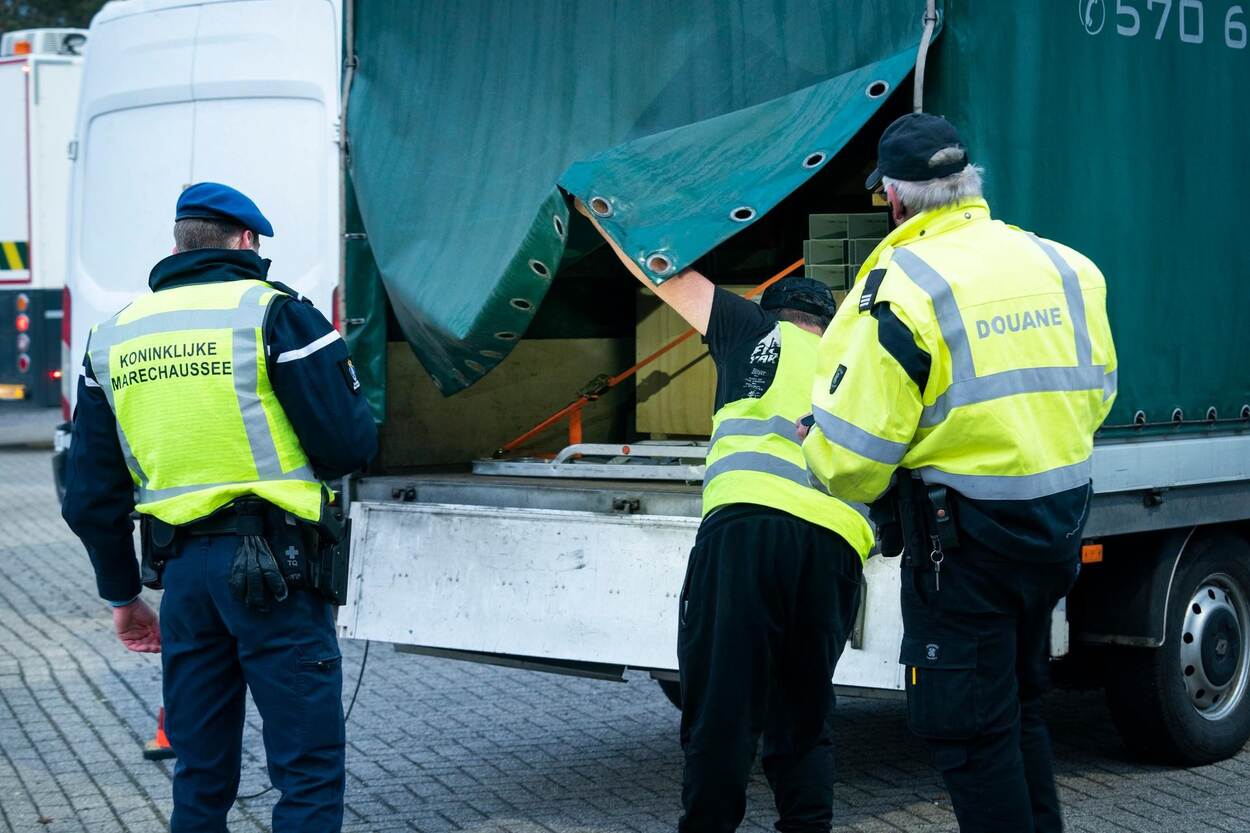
column 242, row 321
column 858, row 440
column 757, row 461
column 967, row 388
column 1013, row 487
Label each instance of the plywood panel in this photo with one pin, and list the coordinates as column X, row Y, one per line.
column 676, row 393
column 540, row 376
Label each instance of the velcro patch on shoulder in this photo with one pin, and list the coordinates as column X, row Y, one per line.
column 286, row 290
column 872, row 284
column 837, row 378
column 349, row 375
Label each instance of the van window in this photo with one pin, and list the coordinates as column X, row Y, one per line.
column 135, row 166
column 277, row 151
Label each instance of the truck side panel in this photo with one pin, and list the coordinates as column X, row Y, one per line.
column 54, row 88
column 574, row 586
column 15, row 206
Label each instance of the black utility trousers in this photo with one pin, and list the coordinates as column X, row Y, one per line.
column 768, row 602
column 976, row 647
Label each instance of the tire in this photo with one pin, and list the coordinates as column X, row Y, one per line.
column 672, row 690
column 1188, row 701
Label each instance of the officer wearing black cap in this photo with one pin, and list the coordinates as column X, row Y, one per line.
column 918, row 147
column 959, row 392
column 217, row 406
column 772, row 584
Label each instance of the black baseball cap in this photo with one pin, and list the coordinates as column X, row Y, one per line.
column 797, row 292
column 909, row 147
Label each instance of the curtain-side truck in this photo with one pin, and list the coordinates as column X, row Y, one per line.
column 575, row 564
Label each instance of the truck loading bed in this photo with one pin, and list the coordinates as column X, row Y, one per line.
column 1140, row 485
column 621, row 496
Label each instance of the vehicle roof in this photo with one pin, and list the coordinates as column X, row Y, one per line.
column 125, row 8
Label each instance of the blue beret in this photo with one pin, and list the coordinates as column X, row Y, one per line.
column 214, row 201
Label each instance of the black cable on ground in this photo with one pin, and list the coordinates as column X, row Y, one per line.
column 346, row 716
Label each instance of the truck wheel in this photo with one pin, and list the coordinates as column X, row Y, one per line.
column 672, row 690
column 1188, row 701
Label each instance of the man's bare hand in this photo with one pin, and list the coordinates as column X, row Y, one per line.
column 801, row 427
column 137, row 627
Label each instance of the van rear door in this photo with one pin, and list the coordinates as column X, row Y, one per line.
column 267, row 125
column 134, row 141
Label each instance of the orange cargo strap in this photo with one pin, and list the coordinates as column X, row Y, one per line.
column 600, row 385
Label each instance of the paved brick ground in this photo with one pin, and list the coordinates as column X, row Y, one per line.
column 437, row 745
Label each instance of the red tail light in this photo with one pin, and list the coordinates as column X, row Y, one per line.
column 66, row 335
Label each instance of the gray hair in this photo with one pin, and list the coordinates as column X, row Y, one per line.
column 202, row 233
column 938, row 193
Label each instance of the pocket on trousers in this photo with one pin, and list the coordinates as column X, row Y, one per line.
column 916, row 589
column 326, row 665
column 941, row 681
column 320, row 687
column 683, row 599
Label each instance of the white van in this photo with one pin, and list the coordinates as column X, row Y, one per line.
column 173, row 94
column 40, row 72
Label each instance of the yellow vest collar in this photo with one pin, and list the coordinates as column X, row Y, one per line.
column 926, row 225
column 930, row 223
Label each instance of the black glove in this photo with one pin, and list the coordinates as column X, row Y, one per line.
column 254, row 574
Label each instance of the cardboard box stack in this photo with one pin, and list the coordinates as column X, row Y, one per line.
column 839, row 245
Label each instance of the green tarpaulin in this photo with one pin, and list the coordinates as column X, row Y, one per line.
column 1117, row 128
column 1123, row 135
column 465, row 117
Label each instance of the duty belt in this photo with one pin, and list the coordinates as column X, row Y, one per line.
column 237, row 519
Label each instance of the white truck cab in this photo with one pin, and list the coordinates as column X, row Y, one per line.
column 243, row 92
column 40, row 73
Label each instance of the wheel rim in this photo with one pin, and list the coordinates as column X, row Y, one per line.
column 1214, row 648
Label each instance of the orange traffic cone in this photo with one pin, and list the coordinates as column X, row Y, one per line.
column 158, row 749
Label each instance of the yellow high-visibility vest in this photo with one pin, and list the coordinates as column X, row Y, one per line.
column 755, row 456
column 1023, row 368
column 185, row 375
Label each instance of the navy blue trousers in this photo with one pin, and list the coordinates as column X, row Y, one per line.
column 977, row 648
column 214, row 648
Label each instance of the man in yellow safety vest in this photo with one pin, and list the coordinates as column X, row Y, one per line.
column 223, row 400
column 772, row 584
column 970, row 369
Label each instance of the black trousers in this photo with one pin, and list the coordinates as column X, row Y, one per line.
column 767, row 605
column 976, row 647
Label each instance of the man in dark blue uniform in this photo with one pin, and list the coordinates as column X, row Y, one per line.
column 224, row 400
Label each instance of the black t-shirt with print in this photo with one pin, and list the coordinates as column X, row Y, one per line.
column 745, row 343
